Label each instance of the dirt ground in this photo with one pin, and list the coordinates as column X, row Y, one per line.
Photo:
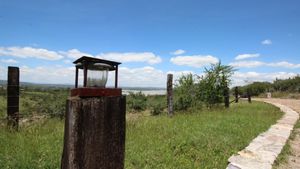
column 293, row 161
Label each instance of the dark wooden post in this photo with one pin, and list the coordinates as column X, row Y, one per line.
column 116, row 77
column 226, row 97
column 94, row 133
column 76, row 77
column 170, row 94
column 249, row 95
column 236, row 94
column 85, row 73
column 13, row 91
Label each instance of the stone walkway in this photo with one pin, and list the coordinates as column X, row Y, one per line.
column 264, row 149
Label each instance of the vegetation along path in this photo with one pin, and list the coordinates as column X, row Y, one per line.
column 264, row 149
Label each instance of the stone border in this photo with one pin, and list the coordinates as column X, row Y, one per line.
column 264, row 149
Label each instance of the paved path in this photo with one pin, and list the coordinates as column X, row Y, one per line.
column 293, row 161
column 264, row 149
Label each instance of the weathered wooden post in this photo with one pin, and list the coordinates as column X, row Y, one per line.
column 249, row 95
column 13, row 91
column 95, row 120
column 170, row 94
column 226, row 97
column 236, row 94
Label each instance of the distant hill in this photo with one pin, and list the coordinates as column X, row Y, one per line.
column 29, row 84
column 39, row 85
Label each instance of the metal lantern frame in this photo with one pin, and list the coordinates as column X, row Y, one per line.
column 84, row 62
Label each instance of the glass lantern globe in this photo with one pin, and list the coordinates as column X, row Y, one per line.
column 97, row 75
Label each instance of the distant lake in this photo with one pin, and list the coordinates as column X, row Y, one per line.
column 146, row 92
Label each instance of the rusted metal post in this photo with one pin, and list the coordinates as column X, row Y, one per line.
column 249, row 95
column 226, row 97
column 236, row 94
column 13, row 91
column 94, row 133
column 170, row 94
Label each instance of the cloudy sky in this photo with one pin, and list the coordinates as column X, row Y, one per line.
column 260, row 39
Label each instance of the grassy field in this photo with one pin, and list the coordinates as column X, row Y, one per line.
column 198, row 139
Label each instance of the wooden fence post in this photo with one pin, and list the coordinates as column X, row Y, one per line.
column 94, row 133
column 226, row 97
column 249, row 95
column 170, row 94
column 236, row 94
column 13, row 91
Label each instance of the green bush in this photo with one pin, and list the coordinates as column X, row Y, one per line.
column 185, row 90
column 214, row 83
column 156, row 109
column 137, row 101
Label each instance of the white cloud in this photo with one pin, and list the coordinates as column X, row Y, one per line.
column 11, row 61
column 242, row 78
column 194, row 61
column 48, row 74
column 133, row 77
column 144, row 77
column 148, row 57
column 284, row 64
column 266, row 42
column 74, row 53
column 247, row 64
column 252, row 64
column 246, row 56
column 3, row 74
column 39, row 53
column 178, row 52
column 29, row 52
column 67, row 61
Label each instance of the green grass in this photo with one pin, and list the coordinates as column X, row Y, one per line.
column 204, row 139
column 35, row 146
column 2, row 107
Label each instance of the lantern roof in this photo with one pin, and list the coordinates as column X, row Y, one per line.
column 88, row 59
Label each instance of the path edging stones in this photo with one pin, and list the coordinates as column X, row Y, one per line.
column 264, row 149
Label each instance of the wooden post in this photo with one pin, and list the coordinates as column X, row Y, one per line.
column 85, row 74
column 236, row 94
column 170, row 94
column 76, row 77
column 249, row 95
column 116, row 77
column 226, row 97
column 94, row 133
column 13, row 91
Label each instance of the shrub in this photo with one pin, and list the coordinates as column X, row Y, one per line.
column 184, row 92
column 156, row 109
column 213, row 84
column 137, row 101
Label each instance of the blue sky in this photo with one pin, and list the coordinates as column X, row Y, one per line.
column 151, row 38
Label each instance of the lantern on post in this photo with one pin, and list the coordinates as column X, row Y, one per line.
column 94, row 134
column 95, row 75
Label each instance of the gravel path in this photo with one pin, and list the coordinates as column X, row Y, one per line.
column 294, row 158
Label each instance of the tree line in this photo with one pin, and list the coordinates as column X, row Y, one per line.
column 290, row 85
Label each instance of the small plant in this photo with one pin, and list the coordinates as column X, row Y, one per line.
column 137, row 101
column 184, row 92
column 156, row 109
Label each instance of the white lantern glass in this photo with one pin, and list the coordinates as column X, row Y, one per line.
column 97, row 75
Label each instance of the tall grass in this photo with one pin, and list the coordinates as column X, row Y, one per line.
column 203, row 139
column 198, row 140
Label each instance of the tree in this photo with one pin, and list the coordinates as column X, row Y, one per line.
column 184, row 92
column 214, row 83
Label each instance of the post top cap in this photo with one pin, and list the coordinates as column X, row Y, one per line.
column 95, row 60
